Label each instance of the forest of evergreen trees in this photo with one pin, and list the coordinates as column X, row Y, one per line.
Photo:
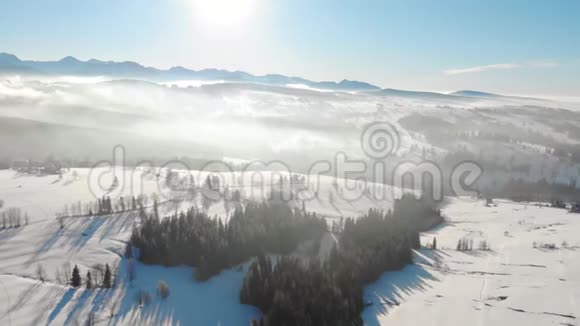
column 193, row 238
column 290, row 291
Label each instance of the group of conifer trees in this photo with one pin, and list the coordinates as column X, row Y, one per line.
column 90, row 282
column 193, row 238
column 290, row 291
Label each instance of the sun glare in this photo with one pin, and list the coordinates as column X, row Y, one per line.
column 224, row 12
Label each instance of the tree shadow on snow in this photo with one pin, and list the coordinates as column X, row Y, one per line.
column 87, row 232
column 429, row 256
column 48, row 243
column 392, row 288
column 66, row 297
column 118, row 223
column 8, row 233
column 79, row 304
column 212, row 302
column 479, row 253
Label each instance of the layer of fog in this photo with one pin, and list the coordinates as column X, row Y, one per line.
column 190, row 118
column 246, row 120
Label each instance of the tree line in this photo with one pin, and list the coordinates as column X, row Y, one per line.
column 105, row 206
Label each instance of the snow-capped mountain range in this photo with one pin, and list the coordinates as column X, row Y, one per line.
column 11, row 64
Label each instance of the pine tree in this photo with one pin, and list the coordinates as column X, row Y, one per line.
column 76, row 277
column 107, row 277
column 89, row 281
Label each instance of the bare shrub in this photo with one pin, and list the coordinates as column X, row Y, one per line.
column 542, row 245
column 60, row 220
column 163, row 289
column 40, row 273
column 143, row 297
column 484, row 245
column 98, row 272
column 549, row 246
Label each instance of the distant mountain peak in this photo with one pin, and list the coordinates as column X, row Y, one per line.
column 178, row 68
column 69, row 59
column 7, row 58
column 357, row 84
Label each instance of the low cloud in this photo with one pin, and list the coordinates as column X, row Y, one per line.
column 502, row 66
column 476, row 69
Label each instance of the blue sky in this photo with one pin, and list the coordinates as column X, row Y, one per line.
column 514, row 47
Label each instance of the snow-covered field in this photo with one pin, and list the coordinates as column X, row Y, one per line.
column 87, row 242
column 44, row 197
column 517, row 282
column 41, row 249
column 520, row 280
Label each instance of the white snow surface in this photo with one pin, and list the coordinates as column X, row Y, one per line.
column 511, row 284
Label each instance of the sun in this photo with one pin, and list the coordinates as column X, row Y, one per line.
column 224, row 12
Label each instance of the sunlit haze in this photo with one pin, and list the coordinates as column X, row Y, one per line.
column 230, row 13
